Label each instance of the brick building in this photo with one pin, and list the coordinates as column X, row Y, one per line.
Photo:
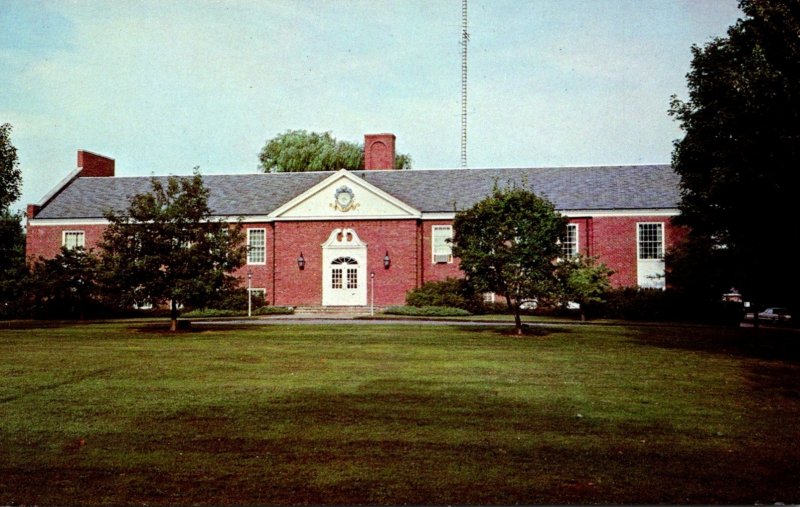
column 351, row 238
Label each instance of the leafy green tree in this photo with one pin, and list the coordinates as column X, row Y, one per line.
column 13, row 271
column 10, row 174
column 739, row 156
column 507, row 244
column 167, row 248
column 300, row 151
column 584, row 280
column 67, row 284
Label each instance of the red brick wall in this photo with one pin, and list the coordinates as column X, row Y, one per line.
column 262, row 273
column 295, row 287
column 45, row 240
column 431, row 271
column 584, row 234
column 613, row 240
column 408, row 242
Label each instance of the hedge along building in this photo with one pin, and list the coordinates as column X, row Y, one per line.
column 353, row 238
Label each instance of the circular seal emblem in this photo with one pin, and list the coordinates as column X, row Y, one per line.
column 343, row 198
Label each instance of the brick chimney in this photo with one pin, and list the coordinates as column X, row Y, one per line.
column 92, row 164
column 378, row 151
column 32, row 210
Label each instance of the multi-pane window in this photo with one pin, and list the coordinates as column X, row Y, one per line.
column 352, row 278
column 336, row 278
column 651, row 241
column 569, row 244
column 256, row 246
column 73, row 239
column 344, row 277
column 442, row 248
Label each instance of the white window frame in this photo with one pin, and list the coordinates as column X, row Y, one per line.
column 639, row 226
column 78, row 234
column 576, row 243
column 650, row 271
column 441, row 257
column 262, row 247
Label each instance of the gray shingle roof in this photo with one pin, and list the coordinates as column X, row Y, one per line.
column 433, row 190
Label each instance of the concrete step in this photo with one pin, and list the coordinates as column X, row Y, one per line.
column 334, row 310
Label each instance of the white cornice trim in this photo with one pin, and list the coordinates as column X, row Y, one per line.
column 655, row 212
column 439, row 216
column 247, row 219
column 582, row 213
column 67, row 221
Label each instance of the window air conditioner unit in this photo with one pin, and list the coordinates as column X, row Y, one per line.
column 441, row 258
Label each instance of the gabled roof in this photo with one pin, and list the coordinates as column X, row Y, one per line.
column 315, row 203
column 430, row 190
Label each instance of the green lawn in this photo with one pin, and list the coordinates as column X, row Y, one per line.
column 122, row 413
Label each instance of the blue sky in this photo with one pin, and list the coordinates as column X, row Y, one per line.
column 164, row 86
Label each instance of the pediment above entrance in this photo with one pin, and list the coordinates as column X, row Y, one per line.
column 344, row 195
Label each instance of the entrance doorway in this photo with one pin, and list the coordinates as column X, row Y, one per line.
column 344, row 279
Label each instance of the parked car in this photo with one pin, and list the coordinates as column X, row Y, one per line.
column 775, row 314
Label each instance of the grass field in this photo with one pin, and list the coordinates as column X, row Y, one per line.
column 123, row 413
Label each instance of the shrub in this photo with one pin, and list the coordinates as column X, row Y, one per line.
column 212, row 312
column 632, row 303
column 274, row 310
column 217, row 312
column 427, row 311
column 236, row 299
column 450, row 292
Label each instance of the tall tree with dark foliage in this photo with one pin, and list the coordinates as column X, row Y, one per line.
column 739, row 160
column 13, row 272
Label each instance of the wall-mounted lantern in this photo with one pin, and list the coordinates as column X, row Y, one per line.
column 386, row 260
column 301, row 261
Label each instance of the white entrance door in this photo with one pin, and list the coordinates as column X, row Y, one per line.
column 347, row 284
column 344, row 278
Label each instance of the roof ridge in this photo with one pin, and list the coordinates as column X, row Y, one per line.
column 403, row 171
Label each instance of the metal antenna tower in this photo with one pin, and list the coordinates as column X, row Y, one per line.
column 464, row 40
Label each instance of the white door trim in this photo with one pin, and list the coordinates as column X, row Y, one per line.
column 345, row 253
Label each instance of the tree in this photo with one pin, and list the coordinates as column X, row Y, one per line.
column 507, row 244
column 13, row 270
column 12, row 238
column 10, row 175
column 700, row 271
column 167, row 248
column 299, row 151
column 583, row 281
column 67, row 284
column 739, row 156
